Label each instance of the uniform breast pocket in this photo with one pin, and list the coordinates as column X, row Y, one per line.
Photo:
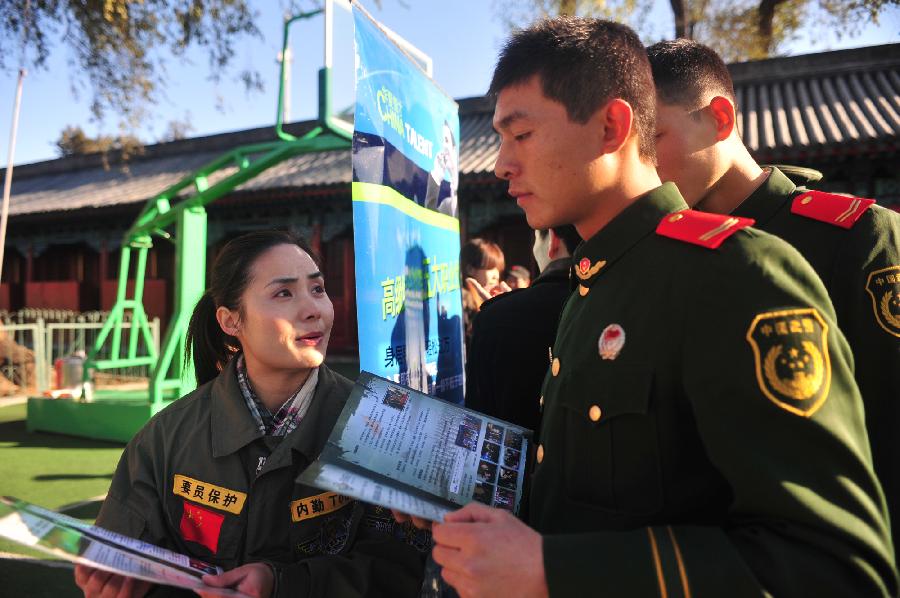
column 611, row 456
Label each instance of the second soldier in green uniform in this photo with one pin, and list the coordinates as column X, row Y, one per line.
column 852, row 243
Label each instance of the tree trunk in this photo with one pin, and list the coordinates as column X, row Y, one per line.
column 568, row 7
column 681, row 25
column 764, row 27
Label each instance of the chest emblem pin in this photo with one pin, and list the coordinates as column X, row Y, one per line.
column 612, row 339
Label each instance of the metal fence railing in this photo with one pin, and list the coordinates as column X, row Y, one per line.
column 32, row 341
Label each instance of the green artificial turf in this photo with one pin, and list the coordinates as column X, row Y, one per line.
column 53, row 471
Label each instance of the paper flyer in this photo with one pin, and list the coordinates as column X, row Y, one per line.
column 402, row 449
column 79, row 542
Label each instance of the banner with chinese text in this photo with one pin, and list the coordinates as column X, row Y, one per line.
column 406, row 233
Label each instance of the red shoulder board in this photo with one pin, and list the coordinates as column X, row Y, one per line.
column 839, row 210
column 701, row 228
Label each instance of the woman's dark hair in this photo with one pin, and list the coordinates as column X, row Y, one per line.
column 478, row 254
column 210, row 346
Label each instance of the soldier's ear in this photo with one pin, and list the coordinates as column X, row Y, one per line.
column 723, row 113
column 617, row 122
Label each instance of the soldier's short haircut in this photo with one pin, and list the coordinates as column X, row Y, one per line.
column 686, row 73
column 583, row 63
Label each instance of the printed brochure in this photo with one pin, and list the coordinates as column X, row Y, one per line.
column 404, row 450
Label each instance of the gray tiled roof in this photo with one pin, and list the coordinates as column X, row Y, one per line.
column 801, row 106
column 807, row 104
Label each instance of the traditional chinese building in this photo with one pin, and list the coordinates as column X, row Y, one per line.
column 837, row 112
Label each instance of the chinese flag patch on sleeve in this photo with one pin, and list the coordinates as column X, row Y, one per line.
column 201, row 526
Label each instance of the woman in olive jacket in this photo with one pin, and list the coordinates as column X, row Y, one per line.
column 212, row 475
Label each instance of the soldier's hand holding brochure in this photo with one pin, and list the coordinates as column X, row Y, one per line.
column 402, row 449
column 79, row 542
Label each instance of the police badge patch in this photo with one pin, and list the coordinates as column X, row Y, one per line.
column 884, row 288
column 791, row 357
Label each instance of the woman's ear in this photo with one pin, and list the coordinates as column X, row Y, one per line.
column 229, row 321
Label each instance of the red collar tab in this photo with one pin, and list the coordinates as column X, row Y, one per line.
column 701, row 228
column 839, row 210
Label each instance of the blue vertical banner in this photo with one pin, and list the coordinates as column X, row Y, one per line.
column 406, row 231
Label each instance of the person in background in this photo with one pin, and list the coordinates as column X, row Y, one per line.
column 507, row 356
column 480, row 263
column 518, row 277
column 852, row 243
column 212, row 475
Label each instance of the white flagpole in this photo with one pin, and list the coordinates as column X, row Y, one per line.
column 7, row 182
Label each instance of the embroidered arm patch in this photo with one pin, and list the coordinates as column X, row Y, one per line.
column 790, row 351
column 883, row 287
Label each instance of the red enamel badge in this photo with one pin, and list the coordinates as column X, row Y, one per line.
column 839, row 210
column 611, row 341
column 701, row 228
column 201, row 526
column 584, row 265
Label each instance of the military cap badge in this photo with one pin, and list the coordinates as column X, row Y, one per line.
column 883, row 287
column 790, row 350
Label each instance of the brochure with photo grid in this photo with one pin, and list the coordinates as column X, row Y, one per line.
column 402, row 449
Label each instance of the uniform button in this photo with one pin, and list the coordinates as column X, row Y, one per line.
column 583, row 290
column 540, row 453
column 806, row 200
column 594, row 413
column 541, row 402
column 554, row 369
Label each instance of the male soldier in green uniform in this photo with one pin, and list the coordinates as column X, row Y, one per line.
column 853, row 244
column 702, row 432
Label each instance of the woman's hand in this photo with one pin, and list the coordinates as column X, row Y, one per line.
column 96, row 583
column 253, row 579
column 482, row 294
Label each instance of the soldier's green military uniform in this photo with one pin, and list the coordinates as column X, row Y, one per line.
column 860, row 266
column 702, row 432
column 191, row 481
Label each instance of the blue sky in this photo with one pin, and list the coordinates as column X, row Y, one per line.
column 462, row 37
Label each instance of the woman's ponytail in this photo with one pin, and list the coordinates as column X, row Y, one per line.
column 206, row 343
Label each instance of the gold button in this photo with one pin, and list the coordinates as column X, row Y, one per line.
column 594, row 413
column 676, row 217
column 540, row 453
column 541, row 402
column 554, row 369
column 806, row 200
column 583, row 290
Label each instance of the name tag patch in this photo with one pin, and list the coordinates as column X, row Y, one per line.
column 320, row 504
column 207, row 494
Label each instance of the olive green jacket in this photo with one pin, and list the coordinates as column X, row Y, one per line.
column 679, row 455
column 859, row 266
column 197, row 463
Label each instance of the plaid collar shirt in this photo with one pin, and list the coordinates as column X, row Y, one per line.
column 283, row 421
